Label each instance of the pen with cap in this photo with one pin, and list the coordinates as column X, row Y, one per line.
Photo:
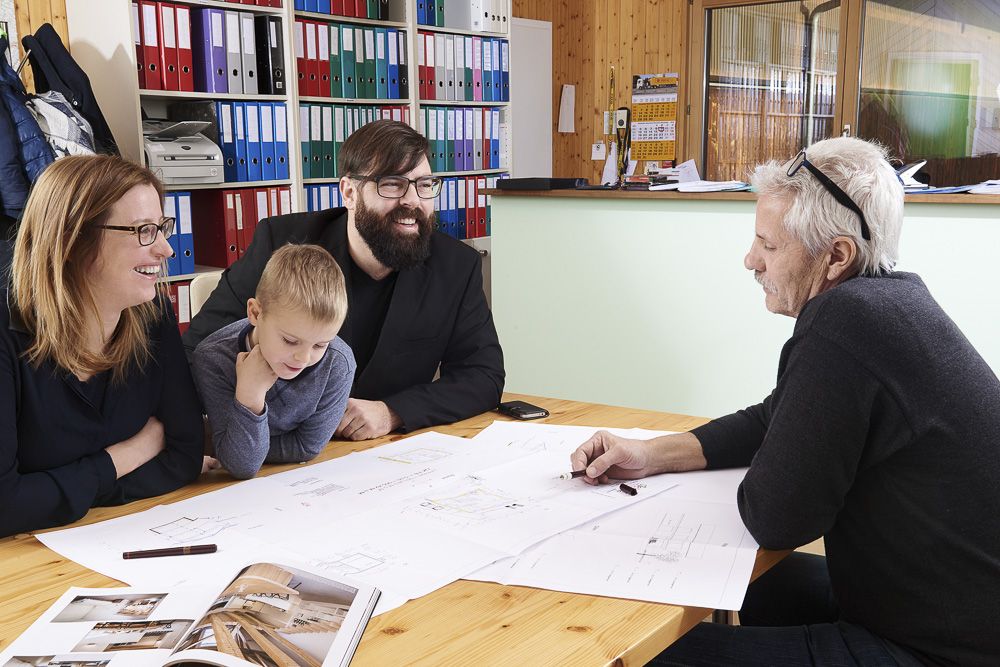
column 172, row 551
column 624, row 488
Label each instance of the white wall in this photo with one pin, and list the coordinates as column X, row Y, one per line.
column 645, row 303
column 531, row 97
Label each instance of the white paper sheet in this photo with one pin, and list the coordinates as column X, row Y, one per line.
column 567, row 108
column 687, row 546
column 407, row 517
column 665, row 549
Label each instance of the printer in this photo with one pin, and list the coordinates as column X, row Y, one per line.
column 179, row 154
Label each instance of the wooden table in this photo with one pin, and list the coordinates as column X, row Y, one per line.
column 466, row 622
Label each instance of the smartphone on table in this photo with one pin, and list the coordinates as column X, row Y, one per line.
column 522, row 410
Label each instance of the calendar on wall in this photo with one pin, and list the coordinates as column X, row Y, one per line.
column 654, row 116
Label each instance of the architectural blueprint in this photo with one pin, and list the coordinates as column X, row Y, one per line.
column 414, row 515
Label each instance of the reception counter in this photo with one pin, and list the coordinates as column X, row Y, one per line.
column 641, row 299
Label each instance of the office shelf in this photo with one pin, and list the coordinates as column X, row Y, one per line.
column 189, row 95
column 336, row 18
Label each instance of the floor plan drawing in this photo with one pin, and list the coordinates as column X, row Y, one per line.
column 476, row 505
column 186, row 530
column 419, row 455
column 352, row 562
column 415, row 514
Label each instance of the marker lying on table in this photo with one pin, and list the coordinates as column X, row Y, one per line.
column 625, row 488
column 172, row 551
column 573, row 475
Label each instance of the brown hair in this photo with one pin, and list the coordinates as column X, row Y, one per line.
column 382, row 148
column 57, row 241
column 304, row 277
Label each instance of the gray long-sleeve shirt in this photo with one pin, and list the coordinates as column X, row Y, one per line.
column 300, row 415
column 883, row 436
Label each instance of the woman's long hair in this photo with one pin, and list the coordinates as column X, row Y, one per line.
column 57, row 242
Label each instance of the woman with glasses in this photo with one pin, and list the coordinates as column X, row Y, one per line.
column 97, row 404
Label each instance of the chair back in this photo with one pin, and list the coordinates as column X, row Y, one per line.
column 202, row 286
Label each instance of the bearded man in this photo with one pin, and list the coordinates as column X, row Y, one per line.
column 416, row 305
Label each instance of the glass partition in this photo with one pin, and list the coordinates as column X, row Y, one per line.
column 771, row 82
column 930, row 86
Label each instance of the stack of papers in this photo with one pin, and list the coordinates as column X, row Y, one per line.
column 907, row 176
column 703, row 186
column 414, row 515
column 948, row 190
column 986, row 188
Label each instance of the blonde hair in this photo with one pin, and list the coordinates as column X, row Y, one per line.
column 57, row 241
column 307, row 278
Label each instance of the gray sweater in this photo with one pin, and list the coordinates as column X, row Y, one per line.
column 883, row 436
column 300, row 415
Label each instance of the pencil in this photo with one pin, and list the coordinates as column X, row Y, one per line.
column 172, row 551
column 573, row 475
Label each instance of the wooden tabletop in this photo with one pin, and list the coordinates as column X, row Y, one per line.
column 466, row 622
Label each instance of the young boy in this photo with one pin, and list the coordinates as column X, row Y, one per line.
column 275, row 385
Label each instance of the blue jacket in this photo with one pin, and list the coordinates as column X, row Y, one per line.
column 24, row 151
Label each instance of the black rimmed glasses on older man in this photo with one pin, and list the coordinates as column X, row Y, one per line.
column 842, row 197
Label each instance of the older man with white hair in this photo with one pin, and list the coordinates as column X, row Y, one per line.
column 882, row 436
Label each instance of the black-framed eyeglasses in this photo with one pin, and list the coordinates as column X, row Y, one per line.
column 842, row 197
column 146, row 231
column 395, row 187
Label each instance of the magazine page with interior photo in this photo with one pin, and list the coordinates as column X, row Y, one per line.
column 268, row 614
column 94, row 627
column 279, row 615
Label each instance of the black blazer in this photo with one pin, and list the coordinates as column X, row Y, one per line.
column 438, row 316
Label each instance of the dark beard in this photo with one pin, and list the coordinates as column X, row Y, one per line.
column 391, row 248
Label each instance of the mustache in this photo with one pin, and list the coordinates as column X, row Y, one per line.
column 764, row 282
column 402, row 213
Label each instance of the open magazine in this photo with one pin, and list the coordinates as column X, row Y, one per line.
column 268, row 614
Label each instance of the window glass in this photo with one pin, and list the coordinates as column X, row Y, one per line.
column 930, row 86
column 771, row 83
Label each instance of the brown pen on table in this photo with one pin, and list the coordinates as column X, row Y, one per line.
column 172, row 551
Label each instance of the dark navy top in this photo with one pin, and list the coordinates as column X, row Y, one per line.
column 54, row 429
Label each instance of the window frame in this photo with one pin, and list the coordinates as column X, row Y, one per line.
column 846, row 99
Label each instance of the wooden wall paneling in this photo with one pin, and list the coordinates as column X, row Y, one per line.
column 31, row 15
column 678, row 41
column 566, row 41
column 586, row 119
column 538, row 10
column 636, row 36
column 599, row 76
column 653, row 24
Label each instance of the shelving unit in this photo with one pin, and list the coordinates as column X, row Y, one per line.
column 187, row 95
column 228, row 186
column 457, row 31
column 462, row 103
column 101, row 40
column 336, row 18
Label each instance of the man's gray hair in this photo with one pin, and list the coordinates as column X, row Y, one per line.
column 815, row 218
